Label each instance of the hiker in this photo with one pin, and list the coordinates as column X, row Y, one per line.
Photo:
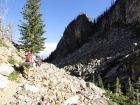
column 39, row 61
column 30, row 62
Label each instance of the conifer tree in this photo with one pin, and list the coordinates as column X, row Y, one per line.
column 129, row 88
column 32, row 29
column 118, row 87
column 138, row 85
column 137, row 89
column 100, row 82
column 130, row 91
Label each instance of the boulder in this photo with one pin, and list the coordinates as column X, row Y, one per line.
column 3, row 81
column 6, row 69
column 31, row 88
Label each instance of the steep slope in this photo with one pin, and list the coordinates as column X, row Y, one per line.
column 110, row 54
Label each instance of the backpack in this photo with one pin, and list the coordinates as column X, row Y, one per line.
column 39, row 60
column 29, row 57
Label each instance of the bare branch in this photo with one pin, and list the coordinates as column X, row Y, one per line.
column 5, row 30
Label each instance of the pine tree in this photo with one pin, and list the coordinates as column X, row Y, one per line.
column 118, row 87
column 137, row 89
column 138, row 85
column 130, row 91
column 32, row 30
column 100, row 82
column 129, row 88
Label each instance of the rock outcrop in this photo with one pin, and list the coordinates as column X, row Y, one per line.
column 78, row 32
column 75, row 34
column 121, row 12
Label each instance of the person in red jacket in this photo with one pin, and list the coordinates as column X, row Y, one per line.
column 30, row 62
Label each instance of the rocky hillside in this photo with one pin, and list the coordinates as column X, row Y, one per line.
column 106, row 55
column 49, row 86
column 10, row 58
column 53, row 86
column 111, row 48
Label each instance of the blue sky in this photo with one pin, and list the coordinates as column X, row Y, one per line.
column 57, row 14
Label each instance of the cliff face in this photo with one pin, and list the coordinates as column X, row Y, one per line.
column 76, row 33
column 121, row 12
column 104, row 47
column 132, row 10
column 79, row 30
column 113, row 56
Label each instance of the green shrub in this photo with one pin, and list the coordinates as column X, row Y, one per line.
column 11, row 61
column 110, row 102
column 13, row 75
column 121, row 99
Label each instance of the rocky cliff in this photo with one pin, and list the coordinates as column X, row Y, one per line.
column 75, row 35
column 109, row 51
column 121, row 12
column 78, row 32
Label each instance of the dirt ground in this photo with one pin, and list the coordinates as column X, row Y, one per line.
column 6, row 95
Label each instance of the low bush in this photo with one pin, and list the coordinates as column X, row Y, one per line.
column 13, row 75
column 11, row 61
column 120, row 99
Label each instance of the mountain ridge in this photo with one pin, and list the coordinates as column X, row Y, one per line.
column 114, row 35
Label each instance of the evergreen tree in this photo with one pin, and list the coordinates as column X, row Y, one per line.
column 32, row 30
column 130, row 91
column 137, row 89
column 129, row 88
column 138, row 85
column 100, row 82
column 118, row 87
